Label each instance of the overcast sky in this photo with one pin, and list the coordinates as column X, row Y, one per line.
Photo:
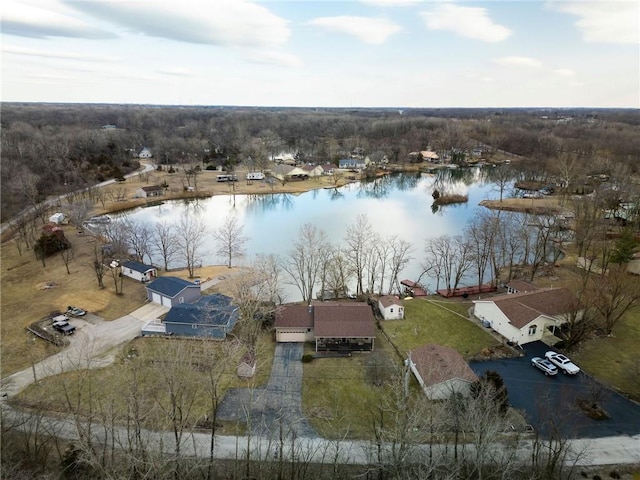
column 367, row 53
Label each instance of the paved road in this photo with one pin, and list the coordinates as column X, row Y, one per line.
column 94, row 345
column 276, row 406
column 550, row 402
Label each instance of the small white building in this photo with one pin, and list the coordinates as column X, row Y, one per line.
column 391, row 307
column 149, row 191
column 57, row 218
column 145, row 153
column 527, row 316
column 138, row 271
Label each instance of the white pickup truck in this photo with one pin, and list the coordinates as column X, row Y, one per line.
column 562, row 362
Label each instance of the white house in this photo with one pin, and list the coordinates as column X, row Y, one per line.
column 391, row 307
column 149, row 191
column 313, row 170
column 527, row 316
column 441, row 371
column 138, row 271
column 145, row 153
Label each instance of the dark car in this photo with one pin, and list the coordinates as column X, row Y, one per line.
column 64, row 328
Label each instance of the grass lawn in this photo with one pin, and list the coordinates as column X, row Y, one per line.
column 338, row 394
column 150, row 366
column 433, row 321
column 615, row 360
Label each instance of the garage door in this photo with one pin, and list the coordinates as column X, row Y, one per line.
column 155, row 297
column 166, row 301
column 297, row 336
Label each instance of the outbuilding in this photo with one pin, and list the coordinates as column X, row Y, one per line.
column 391, row 307
column 139, row 271
column 149, row 191
column 172, row 291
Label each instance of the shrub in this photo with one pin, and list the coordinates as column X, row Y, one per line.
column 308, row 358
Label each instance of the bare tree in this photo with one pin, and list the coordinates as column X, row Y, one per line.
column 400, row 255
column 448, row 259
column 138, row 237
column 358, row 249
column 164, row 242
column 613, row 295
column 190, row 238
column 481, row 233
column 98, row 265
column 230, row 240
column 304, row 262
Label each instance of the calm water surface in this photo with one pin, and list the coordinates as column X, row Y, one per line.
column 395, row 205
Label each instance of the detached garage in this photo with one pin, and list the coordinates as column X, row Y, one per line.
column 172, row 291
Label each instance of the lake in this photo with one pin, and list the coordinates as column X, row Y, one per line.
column 399, row 204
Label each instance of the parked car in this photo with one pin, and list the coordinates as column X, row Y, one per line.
column 59, row 319
column 562, row 362
column 65, row 329
column 545, row 365
column 75, row 311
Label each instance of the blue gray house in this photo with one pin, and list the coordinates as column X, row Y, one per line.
column 352, row 163
column 212, row 316
column 172, row 291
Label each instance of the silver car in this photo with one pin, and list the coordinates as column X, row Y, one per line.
column 562, row 362
column 545, row 365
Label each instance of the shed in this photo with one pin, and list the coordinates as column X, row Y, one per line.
column 441, row 371
column 247, row 366
column 391, row 307
column 171, row 291
column 139, row 271
column 149, row 191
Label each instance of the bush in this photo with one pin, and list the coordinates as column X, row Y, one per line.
column 308, row 358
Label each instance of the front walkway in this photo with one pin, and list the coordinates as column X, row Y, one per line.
column 277, row 408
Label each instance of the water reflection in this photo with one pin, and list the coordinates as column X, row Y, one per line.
column 396, row 205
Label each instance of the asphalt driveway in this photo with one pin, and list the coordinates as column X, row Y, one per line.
column 551, row 402
column 276, row 408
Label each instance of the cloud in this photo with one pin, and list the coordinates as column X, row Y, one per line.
column 472, row 22
column 176, row 72
column 25, row 20
column 280, row 59
column 564, row 72
column 515, row 61
column 613, row 21
column 366, row 29
column 57, row 55
column 238, row 23
column 391, row 3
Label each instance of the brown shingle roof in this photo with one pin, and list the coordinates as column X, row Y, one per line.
column 437, row 364
column 389, row 300
column 293, row 316
column 522, row 308
column 522, row 286
column 152, row 188
column 343, row 320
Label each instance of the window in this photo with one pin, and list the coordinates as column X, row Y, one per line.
column 391, row 309
column 194, row 326
column 532, row 329
column 181, row 300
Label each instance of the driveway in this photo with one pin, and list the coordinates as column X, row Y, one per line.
column 278, row 406
column 94, row 345
column 551, row 402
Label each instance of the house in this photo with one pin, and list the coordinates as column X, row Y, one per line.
column 429, row 156
column 391, row 307
column 518, row 286
column 145, row 153
column 247, row 366
column 352, row 163
column 280, row 171
column 441, row 371
column 138, row 271
column 328, row 168
column 211, row 316
column 312, row 170
column 149, row 191
column 333, row 326
column 527, row 316
column 170, row 291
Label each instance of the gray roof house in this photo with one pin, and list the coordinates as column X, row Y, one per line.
column 211, row 316
column 171, row 291
column 138, row 271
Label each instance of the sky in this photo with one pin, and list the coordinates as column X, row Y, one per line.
column 323, row 53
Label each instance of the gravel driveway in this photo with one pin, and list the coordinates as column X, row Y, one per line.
column 551, row 402
column 278, row 405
